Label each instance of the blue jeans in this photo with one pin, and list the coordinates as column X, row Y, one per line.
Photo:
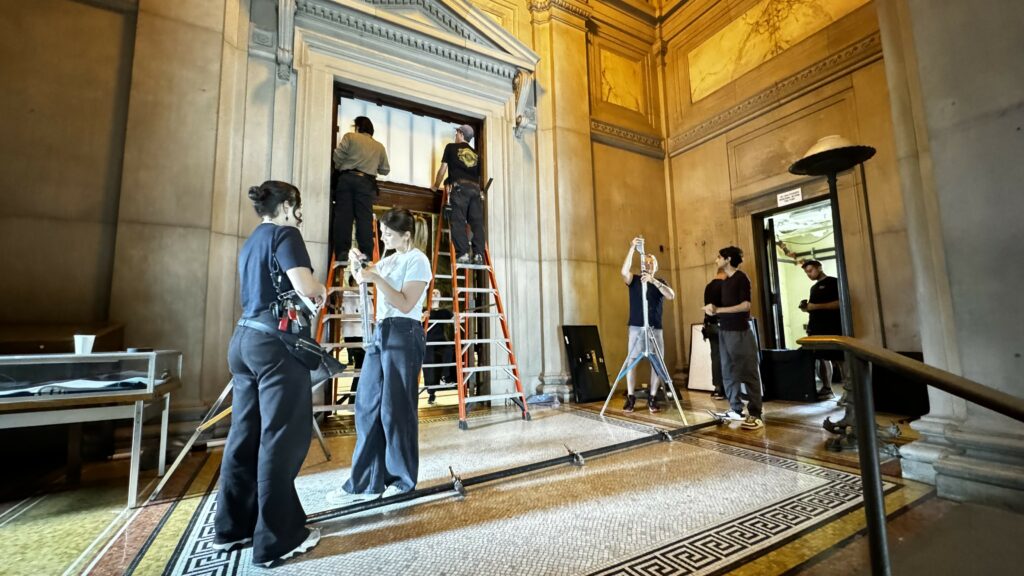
column 387, row 422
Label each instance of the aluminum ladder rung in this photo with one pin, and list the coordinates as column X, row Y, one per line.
column 489, row 397
column 479, row 315
column 476, row 290
column 445, row 365
column 443, row 276
column 439, row 387
column 460, row 266
column 488, row 368
column 335, row 408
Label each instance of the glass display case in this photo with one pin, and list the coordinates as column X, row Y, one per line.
column 44, row 389
column 85, row 378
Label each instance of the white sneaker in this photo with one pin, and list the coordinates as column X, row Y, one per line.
column 340, row 497
column 733, row 415
column 312, row 540
column 229, row 546
column 392, row 491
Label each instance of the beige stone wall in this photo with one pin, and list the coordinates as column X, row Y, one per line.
column 730, row 152
column 65, row 71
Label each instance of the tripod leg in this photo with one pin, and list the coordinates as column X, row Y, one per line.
column 658, row 361
column 626, row 367
column 320, row 438
column 188, row 445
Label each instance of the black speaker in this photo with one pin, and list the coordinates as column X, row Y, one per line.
column 586, row 363
column 897, row 394
column 788, row 375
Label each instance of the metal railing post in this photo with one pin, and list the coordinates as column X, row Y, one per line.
column 870, row 467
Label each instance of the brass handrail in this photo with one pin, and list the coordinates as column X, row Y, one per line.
column 959, row 386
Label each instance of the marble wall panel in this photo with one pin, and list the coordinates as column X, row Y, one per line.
column 172, row 124
column 60, row 157
column 160, row 294
column 207, row 14
column 221, row 313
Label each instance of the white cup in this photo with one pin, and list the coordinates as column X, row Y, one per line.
column 83, row 343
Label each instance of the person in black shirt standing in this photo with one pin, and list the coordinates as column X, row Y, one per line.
column 713, row 295
column 271, row 420
column 736, row 340
column 823, row 320
column 465, row 198
column 657, row 292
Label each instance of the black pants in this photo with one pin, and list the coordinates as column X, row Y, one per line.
column 271, row 427
column 711, row 333
column 356, row 356
column 467, row 206
column 353, row 199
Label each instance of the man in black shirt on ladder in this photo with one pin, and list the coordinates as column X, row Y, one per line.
column 465, row 198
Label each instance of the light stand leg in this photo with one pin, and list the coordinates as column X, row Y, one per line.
column 188, row 445
column 626, row 367
column 658, row 362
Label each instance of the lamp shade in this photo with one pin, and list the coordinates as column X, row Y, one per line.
column 830, row 155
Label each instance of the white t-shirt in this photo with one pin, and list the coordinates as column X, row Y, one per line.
column 398, row 269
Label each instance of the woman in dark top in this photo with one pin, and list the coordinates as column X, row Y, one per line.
column 271, row 421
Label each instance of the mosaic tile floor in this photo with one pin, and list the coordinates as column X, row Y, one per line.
column 691, row 506
column 766, row 500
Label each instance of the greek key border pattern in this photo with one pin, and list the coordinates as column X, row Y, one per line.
column 859, row 53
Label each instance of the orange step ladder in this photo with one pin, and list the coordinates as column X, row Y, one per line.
column 330, row 330
column 471, row 288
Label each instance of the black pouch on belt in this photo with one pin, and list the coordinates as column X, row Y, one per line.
column 304, row 349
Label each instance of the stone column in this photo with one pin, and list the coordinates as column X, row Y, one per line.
column 960, row 67
column 927, row 255
column 569, row 271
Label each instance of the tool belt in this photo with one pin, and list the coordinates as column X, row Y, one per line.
column 303, row 348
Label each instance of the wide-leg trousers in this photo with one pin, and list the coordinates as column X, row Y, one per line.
column 387, row 423
column 271, row 428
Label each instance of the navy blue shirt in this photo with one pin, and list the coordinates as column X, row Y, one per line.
column 655, row 301
column 254, row 265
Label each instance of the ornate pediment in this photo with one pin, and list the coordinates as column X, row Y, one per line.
column 450, row 32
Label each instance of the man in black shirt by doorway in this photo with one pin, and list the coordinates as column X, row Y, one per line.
column 823, row 320
column 464, row 198
column 736, row 341
column 713, row 295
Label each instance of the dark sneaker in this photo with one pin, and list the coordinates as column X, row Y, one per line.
column 312, row 540
column 652, row 405
column 752, row 423
column 630, row 403
column 464, row 259
column 478, row 259
column 717, row 396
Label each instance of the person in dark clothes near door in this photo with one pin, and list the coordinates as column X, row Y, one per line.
column 713, row 295
column 657, row 292
column 465, row 198
column 385, row 461
column 440, row 334
column 272, row 403
column 359, row 159
column 823, row 320
column 736, row 341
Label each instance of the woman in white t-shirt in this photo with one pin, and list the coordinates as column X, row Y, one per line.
column 386, row 456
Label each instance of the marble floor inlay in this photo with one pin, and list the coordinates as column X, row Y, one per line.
column 692, row 506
